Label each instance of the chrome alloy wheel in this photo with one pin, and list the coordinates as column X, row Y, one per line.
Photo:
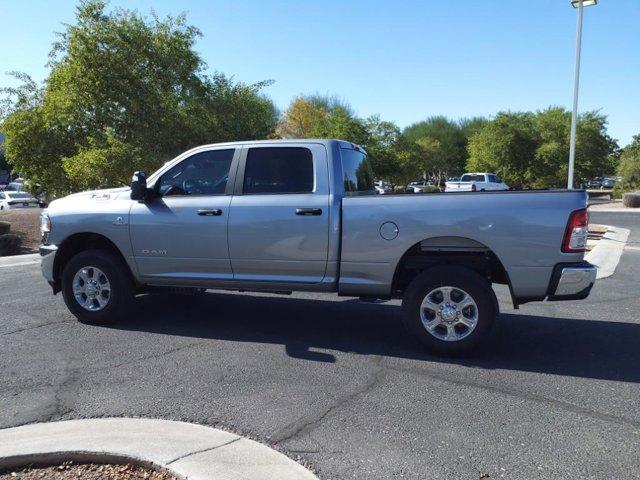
column 91, row 288
column 449, row 313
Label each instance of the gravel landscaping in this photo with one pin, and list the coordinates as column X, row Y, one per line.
column 88, row 471
column 25, row 223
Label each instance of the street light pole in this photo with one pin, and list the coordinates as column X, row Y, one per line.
column 576, row 86
column 579, row 4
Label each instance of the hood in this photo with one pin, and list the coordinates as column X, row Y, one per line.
column 104, row 195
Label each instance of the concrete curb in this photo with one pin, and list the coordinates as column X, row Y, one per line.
column 607, row 252
column 18, row 260
column 187, row 450
column 615, row 210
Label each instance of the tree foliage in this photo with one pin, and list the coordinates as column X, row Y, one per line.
column 629, row 166
column 318, row 116
column 124, row 93
column 445, row 141
column 532, row 149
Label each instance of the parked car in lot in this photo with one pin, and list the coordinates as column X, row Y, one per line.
column 383, row 188
column 595, row 182
column 476, row 182
column 10, row 200
column 608, row 183
column 422, row 186
column 288, row 215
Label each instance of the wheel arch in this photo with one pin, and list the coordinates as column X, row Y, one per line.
column 449, row 250
column 77, row 243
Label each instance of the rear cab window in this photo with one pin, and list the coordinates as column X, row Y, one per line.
column 472, row 178
column 357, row 172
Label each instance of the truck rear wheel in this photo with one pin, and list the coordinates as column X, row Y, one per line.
column 97, row 287
column 449, row 309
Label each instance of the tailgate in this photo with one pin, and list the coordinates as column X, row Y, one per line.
column 459, row 186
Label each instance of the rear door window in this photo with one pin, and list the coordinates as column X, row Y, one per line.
column 278, row 170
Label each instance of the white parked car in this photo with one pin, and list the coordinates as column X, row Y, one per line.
column 382, row 188
column 420, row 186
column 476, row 182
column 10, row 200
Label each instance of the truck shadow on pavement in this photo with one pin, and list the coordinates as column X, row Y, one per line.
column 310, row 329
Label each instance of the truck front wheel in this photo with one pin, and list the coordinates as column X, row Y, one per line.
column 96, row 286
column 449, row 309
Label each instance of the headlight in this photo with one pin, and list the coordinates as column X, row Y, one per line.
column 45, row 226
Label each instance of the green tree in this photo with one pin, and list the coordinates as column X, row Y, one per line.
column 3, row 159
column 317, row 116
column 532, row 149
column 382, row 147
column 629, row 166
column 124, row 93
column 447, row 143
column 505, row 146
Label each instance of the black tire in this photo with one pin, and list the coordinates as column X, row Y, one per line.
column 467, row 281
column 117, row 274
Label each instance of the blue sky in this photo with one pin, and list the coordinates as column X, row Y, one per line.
column 405, row 60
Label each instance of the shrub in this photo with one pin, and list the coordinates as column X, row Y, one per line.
column 617, row 192
column 5, row 227
column 631, row 200
column 10, row 244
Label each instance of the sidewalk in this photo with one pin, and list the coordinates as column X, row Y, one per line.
column 606, row 252
column 187, row 450
column 18, row 260
column 612, row 206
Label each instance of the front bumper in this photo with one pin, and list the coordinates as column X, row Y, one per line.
column 572, row 281
column 48, row 254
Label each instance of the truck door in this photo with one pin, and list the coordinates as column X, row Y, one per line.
column 182, row 232
column 279, row 221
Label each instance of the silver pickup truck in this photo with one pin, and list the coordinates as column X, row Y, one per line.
column 291, row 215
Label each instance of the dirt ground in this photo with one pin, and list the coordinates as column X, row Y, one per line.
column 24, row 222
column 88, row 471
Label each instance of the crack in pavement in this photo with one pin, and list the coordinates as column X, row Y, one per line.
column 554, row 402
column 148, row 357
column 32, row 327
column 58, row 409
column 208, row 449
column 307, row 422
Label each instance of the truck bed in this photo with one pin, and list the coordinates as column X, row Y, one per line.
column 524, row 229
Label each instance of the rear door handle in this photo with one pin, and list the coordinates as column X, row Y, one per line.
column 215, row 212
column 308, row 211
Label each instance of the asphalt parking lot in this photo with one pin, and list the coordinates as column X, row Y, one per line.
column 337, row 383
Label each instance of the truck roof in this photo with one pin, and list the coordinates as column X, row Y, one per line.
column 324, row 141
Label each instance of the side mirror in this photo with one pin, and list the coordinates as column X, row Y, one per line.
column 139, row 186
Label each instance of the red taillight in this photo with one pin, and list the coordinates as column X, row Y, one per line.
column 473, row 187
column 575, row 236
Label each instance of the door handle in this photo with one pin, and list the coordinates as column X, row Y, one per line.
column 215, row 212
column 308, row 211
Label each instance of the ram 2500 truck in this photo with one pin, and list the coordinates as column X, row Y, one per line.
column 292, row 215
